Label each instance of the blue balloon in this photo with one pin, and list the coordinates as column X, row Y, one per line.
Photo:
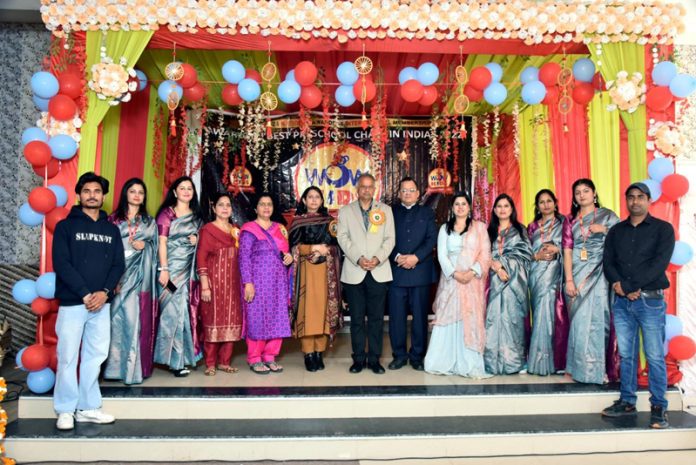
column 41, row 103
column 289, row 91
column 166, row 88
column 18, row 359
column 663, row 73
column 63, row 147
column 347, row 74
column 495, row 93
column 142, row 79
column 249, row 90
column 655, row 189
column 42, row 381
column 407, row 74
column 496, row 70
column 529, row 74
column 61, row 194
column 682, row 85
column 673, row 327
column 28, row 216
column 533, row 92
column 584, row 70
column 44, row 84
column 344, row 96
column 233, row 71
column 660, row 168
column 32, row 134
column 290, row 76
column 24, row 291
column 46, row 285
column 683, row 253
column 428, row 73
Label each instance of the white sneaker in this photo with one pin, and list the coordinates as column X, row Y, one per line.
column 94, row 416
column 65, row 421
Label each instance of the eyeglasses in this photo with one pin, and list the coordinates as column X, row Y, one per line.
column 409, row 191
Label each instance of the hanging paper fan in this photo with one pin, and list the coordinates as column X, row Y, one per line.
column 174, row 71
column 461, row 74
column 269, row 71
column 269, row 101
column 363, row 65
column 461, row 104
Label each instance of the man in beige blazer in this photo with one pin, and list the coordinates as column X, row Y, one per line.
column 366, row 235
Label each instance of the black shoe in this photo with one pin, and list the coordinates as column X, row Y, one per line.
column 619, row 408
column 417, row 365
column 397, row 364
column 310, row 362
column 320, row 360
column 658, row 417
column 376, row 368
column 183, row 373
column 357, row 367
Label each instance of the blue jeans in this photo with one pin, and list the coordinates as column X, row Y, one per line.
column 75, row 326
column 649, row 316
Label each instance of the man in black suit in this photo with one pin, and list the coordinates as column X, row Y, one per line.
column 413, row 272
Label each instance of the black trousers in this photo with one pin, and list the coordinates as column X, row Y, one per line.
column 401, row 299
column 366, row 299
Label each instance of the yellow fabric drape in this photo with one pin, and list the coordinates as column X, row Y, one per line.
column 629, row 57
column 128, row 44
column 111, row 127
column 536, row 159
column 605, row 151
column 153, row 176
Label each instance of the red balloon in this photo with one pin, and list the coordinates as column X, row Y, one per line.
column 474, row 94
column 55, row 303
column 673, row 187
column 598, row 82
column 548, row 74
column 40, row 306
column 70, row 85
column 305, row 73
column 311, row 96
column 680, row 347
column 194, row 93
column 659, row 98
column 551, row 97
column 370, row 90
column 36, row 357
column 672, row 268
column 53, row 168
column 583, row 92
column 37, row 152
column 230, row 95
column 54, row 216
column 62, row 107
column 480, row 78
column 42, row 199
column 429, row 96
column 253, row 74
column 411, row 90
column 190, row 77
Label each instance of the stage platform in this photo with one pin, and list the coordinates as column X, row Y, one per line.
column 336, row 415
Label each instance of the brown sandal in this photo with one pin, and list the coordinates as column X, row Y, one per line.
column 210, row 371
column 227, row 369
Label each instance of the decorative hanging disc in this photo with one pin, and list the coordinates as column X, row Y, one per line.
column 461, row 104
column 269, row 71
column 269, row 101
column 174, row 71
column 363, row 65
column 172, row 100
column 461, row 74
column 565, row 77
column 565, row 104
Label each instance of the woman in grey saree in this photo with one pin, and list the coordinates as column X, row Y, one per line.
column 587, row 288
column 178, row 222
column 507, row 298
column 134, row 308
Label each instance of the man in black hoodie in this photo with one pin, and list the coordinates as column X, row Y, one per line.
column 88, row 260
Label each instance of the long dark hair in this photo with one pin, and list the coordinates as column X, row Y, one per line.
column 302, row 207
column 574, row 206
column 537, row 212
column 495, row 221
column 451, row 219
column 170, row 198
column 121, row 211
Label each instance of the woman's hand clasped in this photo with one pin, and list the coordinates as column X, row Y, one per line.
column 206, row 295
column 287, row 259
column 138, row 245
column 249, row 292
column 163, row 278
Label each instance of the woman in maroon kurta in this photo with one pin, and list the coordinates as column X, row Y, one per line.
column 218, row 268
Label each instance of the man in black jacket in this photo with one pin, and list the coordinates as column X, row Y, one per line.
column 88, row 260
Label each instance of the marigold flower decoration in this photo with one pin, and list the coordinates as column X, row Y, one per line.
column 626, row 93
column 113, row 81
column 665, row 138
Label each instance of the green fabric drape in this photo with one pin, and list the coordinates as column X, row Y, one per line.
column 605, row 151
column 128, row 44
column 536, row 159
column 629, row 57
column 111, row 126
column 153, row 176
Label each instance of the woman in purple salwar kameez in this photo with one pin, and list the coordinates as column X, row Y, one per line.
column 263, row 260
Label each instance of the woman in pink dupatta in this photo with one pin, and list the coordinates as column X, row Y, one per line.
column 458, row 337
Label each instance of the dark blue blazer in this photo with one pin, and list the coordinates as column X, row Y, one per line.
column 416, row 233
